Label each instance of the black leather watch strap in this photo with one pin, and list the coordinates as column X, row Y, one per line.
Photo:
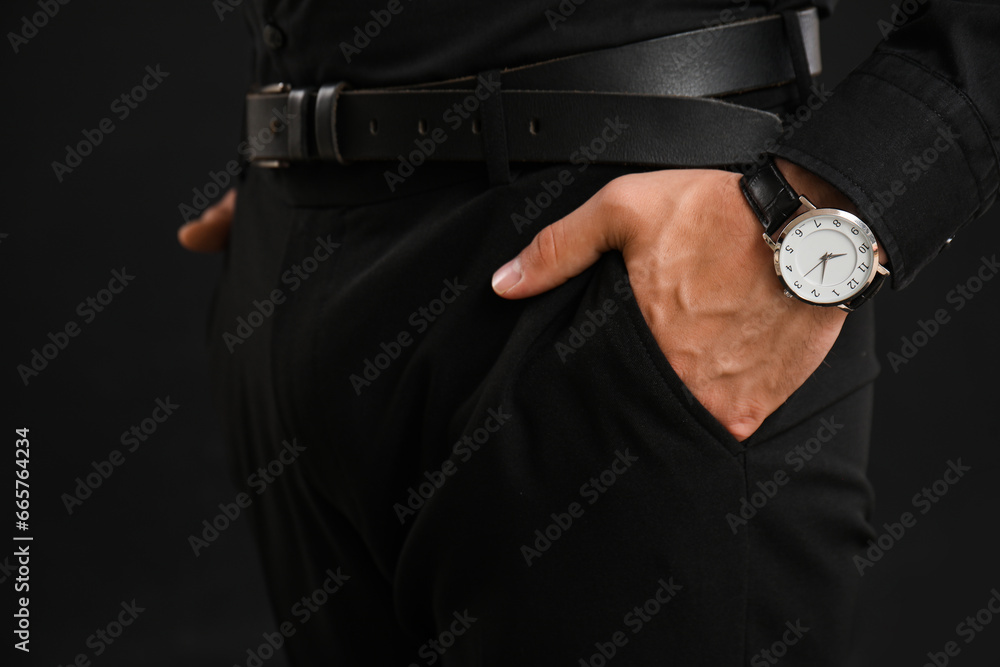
column 868, row 293
column 770, row 196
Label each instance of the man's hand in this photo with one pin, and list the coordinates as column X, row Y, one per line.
column 210, row 232
column 704, row 279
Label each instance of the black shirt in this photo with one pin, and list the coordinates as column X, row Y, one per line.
column 911, row 136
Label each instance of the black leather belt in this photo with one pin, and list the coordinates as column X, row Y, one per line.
column 663, row 91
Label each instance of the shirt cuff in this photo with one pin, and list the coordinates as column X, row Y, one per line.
column 908, row 148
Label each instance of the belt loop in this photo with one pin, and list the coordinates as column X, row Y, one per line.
column 494, row 129
column 299, row 119
column 797, row 50
column 326, row 122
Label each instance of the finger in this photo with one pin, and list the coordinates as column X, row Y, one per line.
column 210, row 232
column 560, row 251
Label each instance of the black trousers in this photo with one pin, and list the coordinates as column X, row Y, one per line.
column 470, row 481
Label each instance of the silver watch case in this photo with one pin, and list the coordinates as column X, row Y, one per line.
column 812, row 211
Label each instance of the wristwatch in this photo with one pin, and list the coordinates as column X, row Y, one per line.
column 825, row 256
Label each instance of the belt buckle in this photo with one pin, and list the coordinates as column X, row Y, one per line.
column 272, row 89
column 307, row 108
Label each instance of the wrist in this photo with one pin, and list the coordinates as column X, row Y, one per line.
column 811, row 227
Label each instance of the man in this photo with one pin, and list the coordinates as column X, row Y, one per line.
column 645, row 451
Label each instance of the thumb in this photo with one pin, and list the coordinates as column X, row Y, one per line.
column 557, row 253
column 210, row 232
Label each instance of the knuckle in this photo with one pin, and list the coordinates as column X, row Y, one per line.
column 621, row 203
column 743, row 418
column 546, row 246
column 618, row 194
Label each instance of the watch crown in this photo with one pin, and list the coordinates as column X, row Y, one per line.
column 788, row 295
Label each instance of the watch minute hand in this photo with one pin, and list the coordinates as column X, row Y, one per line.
column 822, row 260
column 822, row 278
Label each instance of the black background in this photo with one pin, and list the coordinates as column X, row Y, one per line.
column 119, row 208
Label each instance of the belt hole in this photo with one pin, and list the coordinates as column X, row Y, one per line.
column 273, row 125
column 476, row 127
column 533, row 126
column 422, row 126
column 373, row 126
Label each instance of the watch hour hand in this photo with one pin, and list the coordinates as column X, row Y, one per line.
column 822, row 278
column 822, row 260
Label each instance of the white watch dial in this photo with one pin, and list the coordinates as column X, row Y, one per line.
column 826, row 256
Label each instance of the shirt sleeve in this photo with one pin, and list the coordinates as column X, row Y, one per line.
column 911, row 136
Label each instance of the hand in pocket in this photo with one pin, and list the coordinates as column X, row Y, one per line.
column 704, row 279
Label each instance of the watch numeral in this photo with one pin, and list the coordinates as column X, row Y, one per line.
column 789, row 248
column 788, row 267
column 797, row 284
column 862, row 266
column 819, row 223
column 835, row 292
column 798, row 232
column 854, row 230
column 815, row 293
column 836, row 223
column 863, row 248
column 852, row 284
